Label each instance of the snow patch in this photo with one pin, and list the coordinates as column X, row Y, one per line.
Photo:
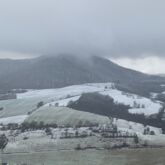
column 62, row 96
column 14, row 119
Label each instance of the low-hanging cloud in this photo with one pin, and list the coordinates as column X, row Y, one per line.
column 115, row 28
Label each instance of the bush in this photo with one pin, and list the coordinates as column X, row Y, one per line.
column 3, row 141
column 136, row 139
column 40, row 104
column 1, row 108
column 78, row 147
column 12, row 126
column 48, row 131
column 25, row 138
column 57, row 104
column 24, row 126
column 143, row 106
column 152, row 133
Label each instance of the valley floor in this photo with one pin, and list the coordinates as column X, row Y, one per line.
column 89, row 157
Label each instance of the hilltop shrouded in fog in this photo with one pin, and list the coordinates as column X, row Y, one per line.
column 60, row 71
column 115, row 28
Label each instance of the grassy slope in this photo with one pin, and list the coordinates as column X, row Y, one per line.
column 63, row 116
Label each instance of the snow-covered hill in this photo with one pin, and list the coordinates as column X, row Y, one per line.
column 62, row 96
column 54, row 110
column 27, row 102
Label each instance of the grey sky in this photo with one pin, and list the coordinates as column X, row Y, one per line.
column 114, row 28
column 107, row 27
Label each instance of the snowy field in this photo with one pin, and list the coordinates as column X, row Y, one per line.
column 27, row 102
column 146, row 106
column 62, row 96
column 62, row 93
column 54, row 110
column 17, row 107
column 133, row 127
column 14, row 119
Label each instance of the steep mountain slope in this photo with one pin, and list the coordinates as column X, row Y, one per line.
column 60, row 71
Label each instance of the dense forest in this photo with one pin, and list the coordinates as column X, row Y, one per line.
column 106, row 106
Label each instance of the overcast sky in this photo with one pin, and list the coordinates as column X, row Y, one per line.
column 131, row 32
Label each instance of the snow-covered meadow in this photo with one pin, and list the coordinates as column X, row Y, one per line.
column 13, row 119
column 27, row 102
column 62, row 96
column 54, row 110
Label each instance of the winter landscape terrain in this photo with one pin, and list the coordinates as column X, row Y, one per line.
column 61, row 127
column 82, row 82
column 98, row 113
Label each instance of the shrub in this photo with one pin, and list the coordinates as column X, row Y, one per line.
column 40, row 104
column 1, row 108
column 48, row 131
column 25, row 138
column 152, row 133
column 136, row 139
column 12, row 126
column 3, row 141
column 78, row 147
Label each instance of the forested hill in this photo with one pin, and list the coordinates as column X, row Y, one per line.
column 60, row 71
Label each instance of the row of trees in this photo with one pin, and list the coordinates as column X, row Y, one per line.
column 41, row 125
column 35, row 125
